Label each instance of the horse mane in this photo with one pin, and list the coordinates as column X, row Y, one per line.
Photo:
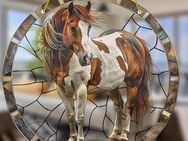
column 51, row 40
column 51, row 37
column 92, row 17
column 54, row 24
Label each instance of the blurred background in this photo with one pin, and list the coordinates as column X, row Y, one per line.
column 173, row 16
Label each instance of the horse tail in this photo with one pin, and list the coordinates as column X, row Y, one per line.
column 143, row 93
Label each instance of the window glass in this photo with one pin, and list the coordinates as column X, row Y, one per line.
column 183, row 41
column 14, row 19
column 168, row 25
column 183, row 49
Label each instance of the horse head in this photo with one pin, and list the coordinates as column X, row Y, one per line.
column 76, row 31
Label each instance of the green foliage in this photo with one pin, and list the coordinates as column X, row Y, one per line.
column 35, row 63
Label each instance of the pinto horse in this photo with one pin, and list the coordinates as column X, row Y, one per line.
column 80, row 66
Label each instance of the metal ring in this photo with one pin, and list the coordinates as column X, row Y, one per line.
column 152, row 134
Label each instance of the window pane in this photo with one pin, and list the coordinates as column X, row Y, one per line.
column 14, row 19
column 168, row 24
column 183, row 41
column 183, row 48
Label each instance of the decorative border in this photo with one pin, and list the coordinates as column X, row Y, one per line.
column 153, row 133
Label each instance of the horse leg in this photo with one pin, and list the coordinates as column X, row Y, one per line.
column 81, row 104
column 69, row 104
column 128, row 109
column 118, row 105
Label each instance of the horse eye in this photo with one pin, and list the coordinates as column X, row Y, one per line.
column 73, row 30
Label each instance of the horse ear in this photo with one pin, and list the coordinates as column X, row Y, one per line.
column 88, row 7
column 71, row 8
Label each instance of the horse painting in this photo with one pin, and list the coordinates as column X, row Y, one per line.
column 80, row 65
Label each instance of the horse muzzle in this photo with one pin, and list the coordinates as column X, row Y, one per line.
column 86, row 59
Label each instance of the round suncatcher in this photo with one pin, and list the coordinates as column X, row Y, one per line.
column 45, row 128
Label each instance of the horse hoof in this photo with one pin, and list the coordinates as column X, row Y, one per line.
column 112, row 139
column 123, row 137
column 123, row 140
column 80, row 139
column 72, row 139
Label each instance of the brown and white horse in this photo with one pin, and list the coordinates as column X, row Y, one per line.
column 80, row 66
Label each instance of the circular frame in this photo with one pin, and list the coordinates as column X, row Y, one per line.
column 154, row 132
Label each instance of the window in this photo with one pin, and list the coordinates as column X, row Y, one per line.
column 168, row 24
column 183, row 53
column 14, row 19
column 183, row 25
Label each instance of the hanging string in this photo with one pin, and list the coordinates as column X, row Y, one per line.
column 139, row 11
column 45, row 7
column 43, row 11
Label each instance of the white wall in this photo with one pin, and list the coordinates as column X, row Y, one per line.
column 2, row 38
column 161, row 7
